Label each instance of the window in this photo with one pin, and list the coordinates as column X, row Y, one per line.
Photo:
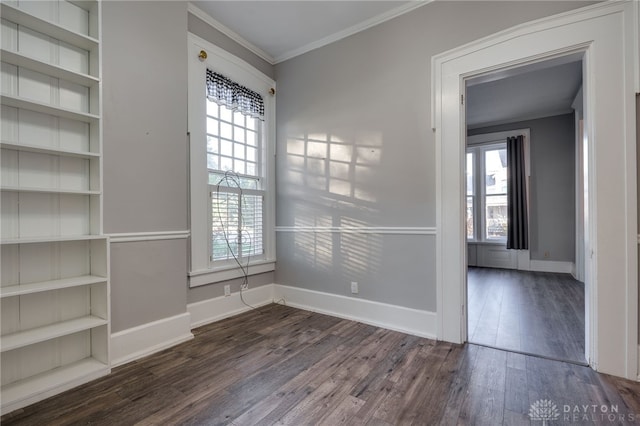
column 234, row 144
column 231, row 145
column 471, row 226
column 486, row 174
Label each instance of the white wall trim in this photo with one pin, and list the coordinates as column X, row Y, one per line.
column 399, row 230
column 210, row 276
column 146, row 339
column 372, row 22
column 552, row 266
column 218, row 308
column 204, row 16
column 398, row 318
column 126, row 237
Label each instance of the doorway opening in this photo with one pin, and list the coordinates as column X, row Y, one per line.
column 530, row 297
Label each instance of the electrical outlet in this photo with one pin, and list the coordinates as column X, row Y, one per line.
column 546, row 254
column 354, row 287
column 227, row 290
column 244, row 286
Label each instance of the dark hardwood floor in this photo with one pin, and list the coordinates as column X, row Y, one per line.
column 533, row 312
column 281, row 365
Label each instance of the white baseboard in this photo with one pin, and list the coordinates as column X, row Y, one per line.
column 146, row 339
column 551, row 266
column 211, row 310
column 393, row 317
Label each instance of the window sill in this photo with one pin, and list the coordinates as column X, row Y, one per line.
column 212, row 276
column 488, row 243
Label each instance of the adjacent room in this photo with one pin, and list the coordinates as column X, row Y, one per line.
column 303, row 212
column 526, row 267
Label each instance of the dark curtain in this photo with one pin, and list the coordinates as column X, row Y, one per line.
column 518, row 230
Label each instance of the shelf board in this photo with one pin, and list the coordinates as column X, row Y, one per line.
column 49, row 190
column 51, row 239
column 40, row 334
column 17, row 102
column 21, row 60
column 42, row 286
column 51, row 29
column 47, row 150
column 84, row 4
column 64, row 377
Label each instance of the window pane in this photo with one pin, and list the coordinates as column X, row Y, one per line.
column 212, row 161
column 496, row 216
column 212, row 126
column 238, row 134
column 251, row 138
column 238, row 118
column 226, row 164
column 225, row 131
column 251, row 169
column 496, row 171
column 470, row 185
column 251, row 225
column 238, row 167
column 238, row 151
column 225, row 212
column 252, row 123
column 226, row 147
column 251, row 154
column 470, row 234
column 226, row 114
column 212, row 108
column 236, row 229
column 212, row 144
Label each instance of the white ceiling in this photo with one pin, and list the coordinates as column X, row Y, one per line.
column 280, row 30
column 540, row 90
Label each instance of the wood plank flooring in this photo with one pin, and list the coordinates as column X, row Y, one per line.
column 285, row 366
column 533, row 312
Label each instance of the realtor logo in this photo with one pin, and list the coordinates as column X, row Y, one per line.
column 544, row 410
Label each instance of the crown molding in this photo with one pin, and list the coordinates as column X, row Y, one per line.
column 371, row 22
column 201, row 14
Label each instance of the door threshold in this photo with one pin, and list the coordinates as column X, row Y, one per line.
column 569, row 361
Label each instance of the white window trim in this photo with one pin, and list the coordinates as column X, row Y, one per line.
column 201, row 271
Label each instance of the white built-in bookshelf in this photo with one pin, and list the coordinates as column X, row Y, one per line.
column 54, row 260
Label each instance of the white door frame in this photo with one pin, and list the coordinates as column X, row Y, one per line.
column 605, row 34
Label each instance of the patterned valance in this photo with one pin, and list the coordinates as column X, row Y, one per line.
column 227, row 92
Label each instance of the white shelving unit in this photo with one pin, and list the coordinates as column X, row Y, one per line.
column 54, row 286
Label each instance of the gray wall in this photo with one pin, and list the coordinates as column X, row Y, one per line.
column 369, row 95
column 145, row 156
column 145, row 117
column 203, row 30
column 553, row 208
